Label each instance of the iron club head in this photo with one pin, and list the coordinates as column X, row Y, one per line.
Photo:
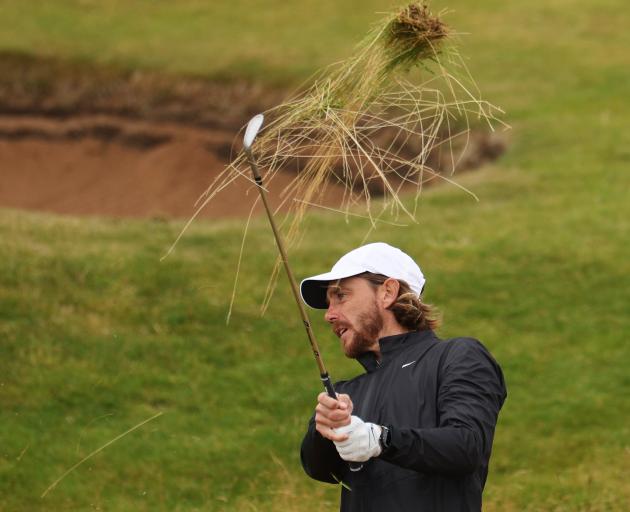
column 252, row 130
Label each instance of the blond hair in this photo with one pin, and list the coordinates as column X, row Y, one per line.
column 409, row 310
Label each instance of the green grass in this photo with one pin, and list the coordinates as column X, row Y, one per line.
column 97, row 334
column 274, row 40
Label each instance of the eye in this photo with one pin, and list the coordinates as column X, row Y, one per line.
column 337, row 296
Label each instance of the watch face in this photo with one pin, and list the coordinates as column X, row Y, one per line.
column 384, row 440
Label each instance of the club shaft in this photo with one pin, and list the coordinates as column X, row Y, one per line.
column 326, row 381
column 294, row 287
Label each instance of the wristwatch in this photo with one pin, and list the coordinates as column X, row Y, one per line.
column 386, row 437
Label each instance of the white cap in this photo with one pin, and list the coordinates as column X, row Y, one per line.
column 377, row 258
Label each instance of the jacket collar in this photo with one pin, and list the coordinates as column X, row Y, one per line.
column 392, row 345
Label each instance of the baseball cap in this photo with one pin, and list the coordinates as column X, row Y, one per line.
column 378, row 258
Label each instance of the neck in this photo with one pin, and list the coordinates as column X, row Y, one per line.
column 390, row 328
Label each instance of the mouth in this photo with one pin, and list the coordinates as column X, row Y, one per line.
column 340, row 331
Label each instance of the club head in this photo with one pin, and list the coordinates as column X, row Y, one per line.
column 252, row 130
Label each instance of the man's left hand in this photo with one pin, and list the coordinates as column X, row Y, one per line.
column 362, row 443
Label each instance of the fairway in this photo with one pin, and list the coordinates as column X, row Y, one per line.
column 99, row 334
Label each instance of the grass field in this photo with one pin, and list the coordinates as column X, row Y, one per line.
column 97, row 334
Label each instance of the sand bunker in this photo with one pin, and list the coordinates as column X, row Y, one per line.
column 93, row 142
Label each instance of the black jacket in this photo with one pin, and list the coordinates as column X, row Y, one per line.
column 441, row 400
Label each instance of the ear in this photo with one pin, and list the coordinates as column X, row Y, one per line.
column 389, row 292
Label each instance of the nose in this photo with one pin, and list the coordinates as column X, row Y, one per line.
column 331, row 315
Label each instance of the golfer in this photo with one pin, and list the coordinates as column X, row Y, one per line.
column 418, row 424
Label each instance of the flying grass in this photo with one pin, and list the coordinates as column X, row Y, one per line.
column 366, row 126
column 95, row 452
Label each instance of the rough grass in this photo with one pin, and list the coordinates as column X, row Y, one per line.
column 98, row 335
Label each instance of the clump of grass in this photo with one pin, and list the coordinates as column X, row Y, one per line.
column 413, row 35
column 353, row 125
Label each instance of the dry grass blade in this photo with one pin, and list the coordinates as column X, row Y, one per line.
column 98, row 450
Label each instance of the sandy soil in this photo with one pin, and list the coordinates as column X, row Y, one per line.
column 103, row 165
column 84, row 140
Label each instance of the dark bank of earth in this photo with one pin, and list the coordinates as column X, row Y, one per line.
column 84, row 140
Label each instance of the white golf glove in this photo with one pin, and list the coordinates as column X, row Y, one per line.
column 362, row 443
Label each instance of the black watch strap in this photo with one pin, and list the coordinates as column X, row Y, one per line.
column 385, row 439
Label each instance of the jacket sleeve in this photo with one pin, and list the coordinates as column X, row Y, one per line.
column 471, row 391
column 320, row 459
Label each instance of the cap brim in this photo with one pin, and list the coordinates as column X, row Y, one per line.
column 313, row 289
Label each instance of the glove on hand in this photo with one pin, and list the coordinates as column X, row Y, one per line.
column 362, row 443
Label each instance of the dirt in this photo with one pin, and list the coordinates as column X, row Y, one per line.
column 82, row 140
column 102, row 165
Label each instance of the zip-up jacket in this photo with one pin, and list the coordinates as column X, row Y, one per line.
column 440, row 400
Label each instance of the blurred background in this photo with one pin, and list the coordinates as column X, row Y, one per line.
column 115, row 117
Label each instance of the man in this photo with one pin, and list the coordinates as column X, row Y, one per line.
column 415, row 431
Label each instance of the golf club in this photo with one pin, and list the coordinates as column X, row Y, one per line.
column 251, row 131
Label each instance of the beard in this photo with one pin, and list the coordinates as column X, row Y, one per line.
column 365, row 333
